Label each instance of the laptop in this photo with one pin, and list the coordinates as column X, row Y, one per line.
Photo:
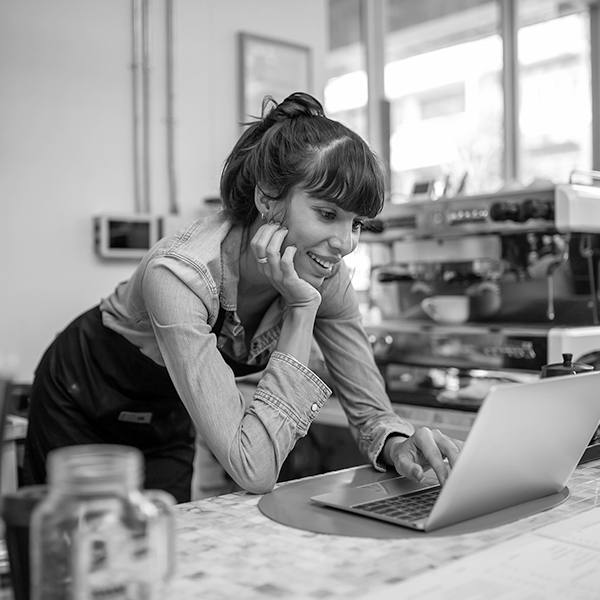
column 525, row 442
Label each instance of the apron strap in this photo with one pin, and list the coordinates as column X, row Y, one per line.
column 220, row 320
column 239, row 369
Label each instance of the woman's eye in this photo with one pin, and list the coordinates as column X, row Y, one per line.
column 325, row 214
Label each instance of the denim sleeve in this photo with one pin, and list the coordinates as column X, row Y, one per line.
column 356, row 379
column 250, row 441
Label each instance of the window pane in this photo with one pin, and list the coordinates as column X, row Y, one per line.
column 346, row 88
column 555, row 116
column 443, row 79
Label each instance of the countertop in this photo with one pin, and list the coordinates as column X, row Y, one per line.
column 226, row 548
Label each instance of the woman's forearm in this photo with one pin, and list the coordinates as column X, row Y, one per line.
column 297, row 332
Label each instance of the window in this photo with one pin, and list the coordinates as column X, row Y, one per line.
column 346, row 91
column 443, row 82
column 555, row 116
column 443, row 75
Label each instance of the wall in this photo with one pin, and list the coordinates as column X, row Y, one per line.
column 66, row 143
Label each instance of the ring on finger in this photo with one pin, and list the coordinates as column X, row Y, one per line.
column 263, row 260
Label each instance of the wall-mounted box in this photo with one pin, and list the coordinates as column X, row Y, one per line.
column 127, row 236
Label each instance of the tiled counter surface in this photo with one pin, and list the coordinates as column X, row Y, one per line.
column 226, row 548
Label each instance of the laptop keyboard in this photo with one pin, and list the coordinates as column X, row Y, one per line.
column 405, row 507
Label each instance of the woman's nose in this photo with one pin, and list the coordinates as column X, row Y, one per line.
column 344, row 240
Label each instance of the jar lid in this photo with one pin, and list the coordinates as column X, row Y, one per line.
column 567, row 367
column 93, row 467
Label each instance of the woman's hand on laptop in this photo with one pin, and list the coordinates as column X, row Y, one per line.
column 425, row 448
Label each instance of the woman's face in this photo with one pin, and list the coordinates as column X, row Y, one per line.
column 323, row 233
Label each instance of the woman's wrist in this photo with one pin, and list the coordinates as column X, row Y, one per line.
column 297, row 331
column 392, row 441
column 311, row 304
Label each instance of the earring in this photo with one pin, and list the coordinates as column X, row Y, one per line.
column 262, row 215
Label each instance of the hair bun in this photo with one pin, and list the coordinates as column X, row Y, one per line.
column 298, row 104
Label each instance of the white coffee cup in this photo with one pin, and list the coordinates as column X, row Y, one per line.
column 447, row 309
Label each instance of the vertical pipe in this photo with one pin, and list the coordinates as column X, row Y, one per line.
column 146, row 104
column 135, row 89
column 173, row 207
column 595, row 82
column 372, row 13
column 510, row 80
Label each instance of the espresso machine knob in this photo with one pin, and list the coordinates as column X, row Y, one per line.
column 505, row 211
column 538, row 209
column 532, row 208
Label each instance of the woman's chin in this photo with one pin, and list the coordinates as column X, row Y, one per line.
column 315, row 280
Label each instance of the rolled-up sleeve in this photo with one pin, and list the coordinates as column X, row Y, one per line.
column 292, row 389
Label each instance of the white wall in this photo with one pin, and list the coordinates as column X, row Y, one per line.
column 66, row 144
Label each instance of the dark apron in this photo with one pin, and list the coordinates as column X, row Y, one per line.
column 94, row 386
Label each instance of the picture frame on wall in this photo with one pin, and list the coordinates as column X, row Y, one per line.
column 270, row 67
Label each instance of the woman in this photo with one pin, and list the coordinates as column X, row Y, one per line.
column 238, row 292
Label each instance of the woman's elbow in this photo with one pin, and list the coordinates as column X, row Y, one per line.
column 258, row 484
column 256, row 472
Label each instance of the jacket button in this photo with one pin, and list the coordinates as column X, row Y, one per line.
column 314, row 407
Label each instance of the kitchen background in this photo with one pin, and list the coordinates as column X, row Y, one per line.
column 451, row 113
column 129, row 107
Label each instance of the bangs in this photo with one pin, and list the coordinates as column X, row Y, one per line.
column 348, row 175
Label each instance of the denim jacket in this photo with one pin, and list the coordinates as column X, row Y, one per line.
column 168, row 309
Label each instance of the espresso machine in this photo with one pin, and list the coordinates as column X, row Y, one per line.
column 527, row 261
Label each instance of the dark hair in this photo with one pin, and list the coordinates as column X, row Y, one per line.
column 294, row 146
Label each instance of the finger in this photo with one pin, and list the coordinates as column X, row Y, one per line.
column 287, row 260
column 425, row 440
column 449, row 447
column 406, row 462
column 273, row 250
column 262, row 239
column 263, row 235
column 416, row 472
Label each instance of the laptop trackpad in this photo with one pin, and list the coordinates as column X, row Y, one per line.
column 376, row 490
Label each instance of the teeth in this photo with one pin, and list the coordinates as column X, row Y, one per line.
column 323, row 263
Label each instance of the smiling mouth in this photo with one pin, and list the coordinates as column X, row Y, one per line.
column 322, row 263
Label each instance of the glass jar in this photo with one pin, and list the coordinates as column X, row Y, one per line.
column 97, row 534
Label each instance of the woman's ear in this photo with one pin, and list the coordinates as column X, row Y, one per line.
column 262, row 203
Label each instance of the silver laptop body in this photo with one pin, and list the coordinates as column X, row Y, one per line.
column 524, row 444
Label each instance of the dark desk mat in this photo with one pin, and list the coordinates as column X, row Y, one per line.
column 290, row 505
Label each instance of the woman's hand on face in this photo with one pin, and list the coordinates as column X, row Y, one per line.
column 279, row 267
column 425, row 448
